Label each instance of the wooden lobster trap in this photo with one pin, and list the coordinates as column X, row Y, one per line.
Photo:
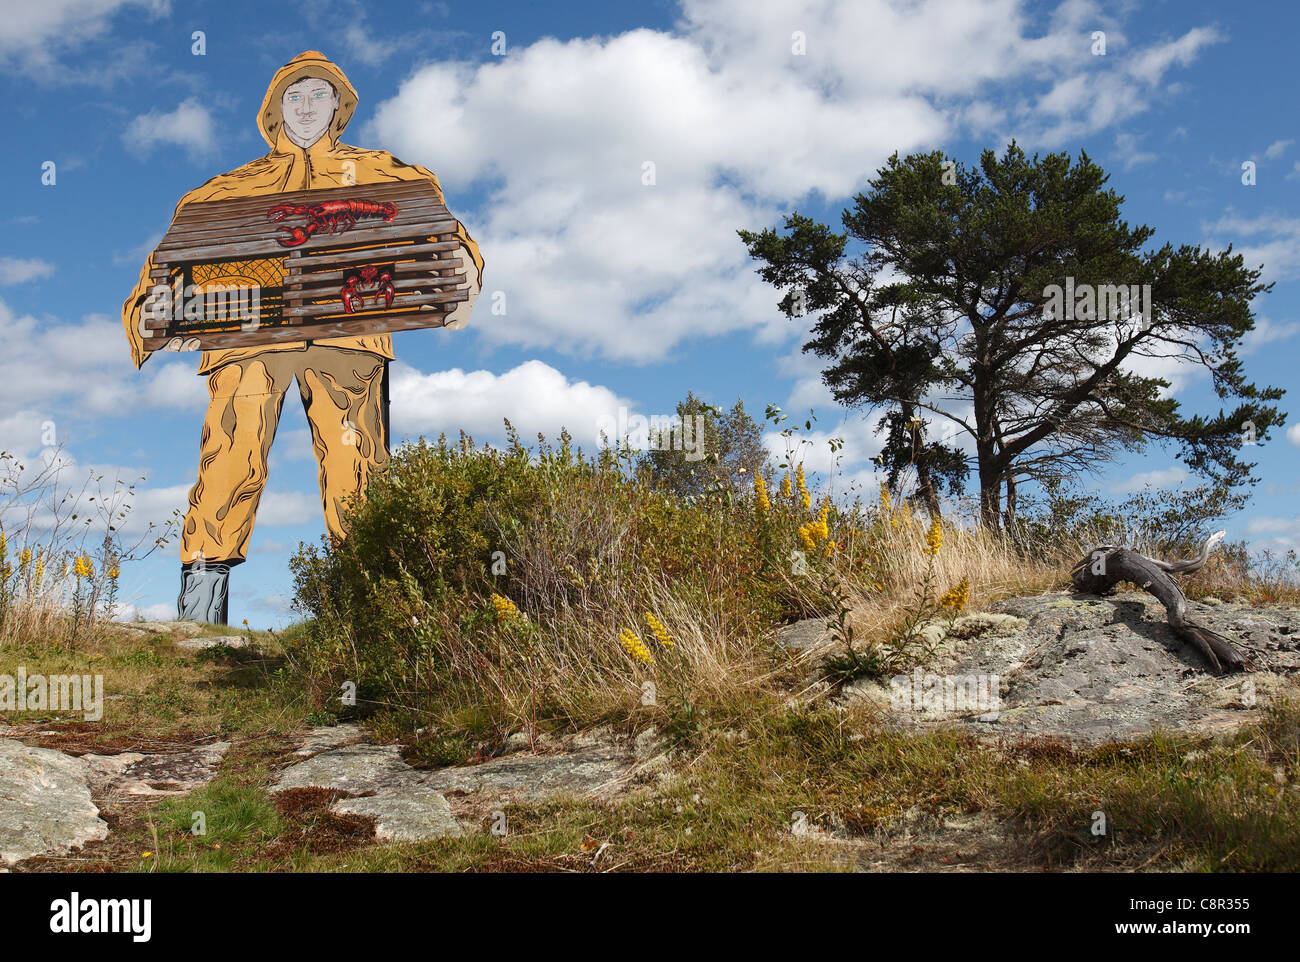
column 306, row 265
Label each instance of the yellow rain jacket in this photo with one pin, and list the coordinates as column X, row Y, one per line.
column 327, row 163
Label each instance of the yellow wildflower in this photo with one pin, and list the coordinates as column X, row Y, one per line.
column 505, row 609
column 958, row 596
column 802, row 484
column 786, row 491
column 760, row 494
column 885, row 503
column 39, row 569
column 83, row 568
column 818, row 529
column 934, row 540
column 114, row 571
column 25, row 557
column 635, row 647
column 660, row 632
column 824, row 526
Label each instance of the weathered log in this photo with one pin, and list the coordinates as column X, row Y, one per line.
column 1106, row 566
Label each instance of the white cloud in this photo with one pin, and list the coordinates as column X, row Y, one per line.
column 189, row 126
column 84, row 367
column 163, row 611
column 1127, row 146
column 1160, row 478
column 277, row 509
column 275, row 604
column 813, row 447
column 35, row 35
column 1151, row 64
column 172, row 385
column 288, row 508
column 1277, row 149
column 259, row 546
column 1268, row 525
column 21, row 431
column 15, row 270
column 52, row 486
column 534, row 396
column 855, row 428
column 292, row 445
column 1277, row 535
column 594, row 262
column 1267, row 331
column 1293, row 434
column 33, row 29
column 1178, row 369
column 1276, row 243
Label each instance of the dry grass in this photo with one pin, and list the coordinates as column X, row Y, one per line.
column 157, row 696
column 803, row 790
column 994, row 567
column 589, row 559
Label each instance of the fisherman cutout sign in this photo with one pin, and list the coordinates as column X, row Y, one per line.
column 296, row 266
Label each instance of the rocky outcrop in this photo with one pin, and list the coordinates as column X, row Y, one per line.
column 1091, row 668
column 591, row 771
column 221, row 641
column 156, row 773
column 412, row 804
column 45, row 803
column 50, row 801
column 406, row 814
column 356, row 769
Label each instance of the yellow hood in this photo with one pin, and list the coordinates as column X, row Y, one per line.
column 309, row 63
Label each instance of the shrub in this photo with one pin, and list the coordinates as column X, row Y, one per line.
column 497, row 587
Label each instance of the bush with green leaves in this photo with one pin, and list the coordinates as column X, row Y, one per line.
column 493, row 588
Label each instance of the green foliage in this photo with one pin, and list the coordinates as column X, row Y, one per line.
column 238, row 820
column 498, row 582
column 973, row 333
column 728, row 451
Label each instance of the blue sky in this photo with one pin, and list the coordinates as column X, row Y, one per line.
column 616, row 293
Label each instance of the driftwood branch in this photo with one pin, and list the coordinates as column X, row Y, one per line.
column 1107, row 566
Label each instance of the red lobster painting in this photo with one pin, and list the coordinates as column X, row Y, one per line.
column 332, row 216
column 380, row 278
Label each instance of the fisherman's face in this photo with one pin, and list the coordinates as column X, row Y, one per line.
column 308, row 107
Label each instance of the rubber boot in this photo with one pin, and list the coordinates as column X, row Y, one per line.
column 204, row 593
